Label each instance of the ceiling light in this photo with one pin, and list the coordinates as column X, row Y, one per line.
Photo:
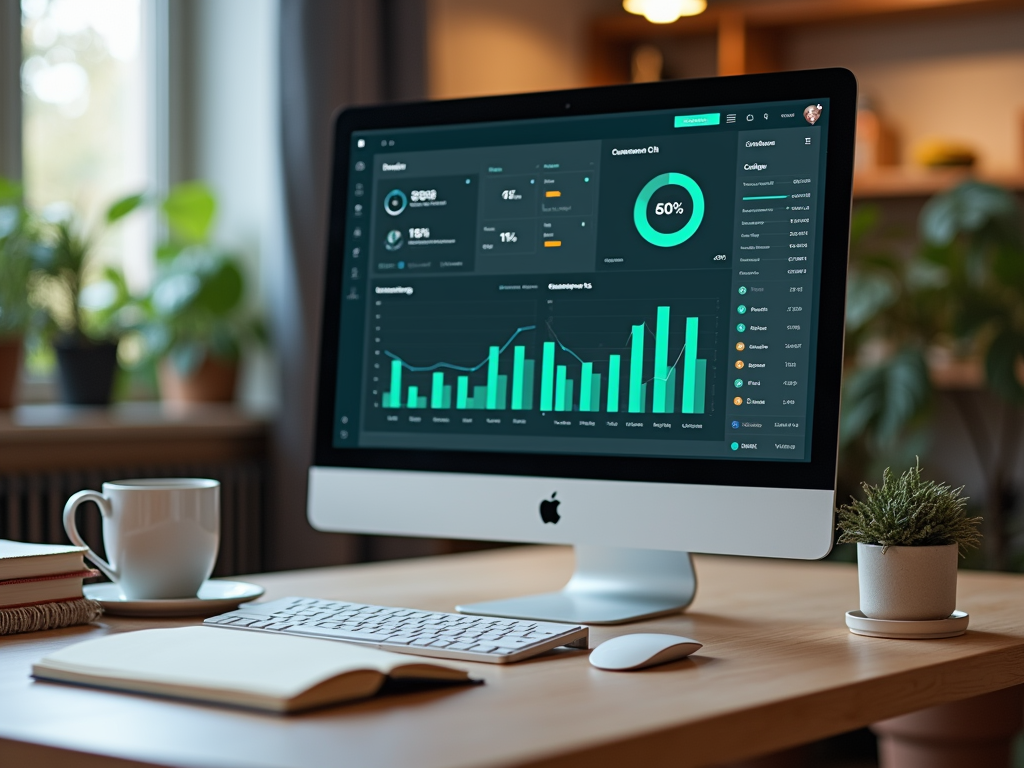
column 664, row 11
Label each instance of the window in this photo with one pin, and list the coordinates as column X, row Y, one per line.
column 87, row 133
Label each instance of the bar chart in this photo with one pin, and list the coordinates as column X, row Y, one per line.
column 658, row 369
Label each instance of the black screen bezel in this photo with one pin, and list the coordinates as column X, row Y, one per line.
column 838, row 85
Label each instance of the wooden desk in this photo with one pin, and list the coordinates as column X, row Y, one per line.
column 778, row 668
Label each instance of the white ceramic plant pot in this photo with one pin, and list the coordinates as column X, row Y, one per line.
column 907, row 583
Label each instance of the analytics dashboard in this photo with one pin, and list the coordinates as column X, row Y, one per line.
column 628, row 284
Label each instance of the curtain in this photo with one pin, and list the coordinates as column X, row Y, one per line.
column 333, row 54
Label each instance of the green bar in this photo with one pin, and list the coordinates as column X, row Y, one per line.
column 766, row 197
column 595, row 392
column 547, row 376
column 613, row 384
column 446, row 397
column 689, row 364
column 518, row 358
column 396, row 383
column 643, row 398
column 479, row 398
column 421, row 402
column 437, row 390
column 586, row 384
column 670, row 392
column 698, row 396
column 461, row 393
column 413, row 401
column 502, row 393
column 560, row 388
column 568, row 394
column 695, row 121
column 529, row 366
column 492, row 378
column 661, row 360
column 636, row 370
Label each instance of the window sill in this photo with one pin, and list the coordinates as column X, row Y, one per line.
column 52, row 436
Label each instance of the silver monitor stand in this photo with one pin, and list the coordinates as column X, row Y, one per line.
column 611, row 585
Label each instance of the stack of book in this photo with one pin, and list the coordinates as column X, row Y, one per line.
column 41, row 587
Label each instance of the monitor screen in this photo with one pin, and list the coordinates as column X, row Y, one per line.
column 633, row 284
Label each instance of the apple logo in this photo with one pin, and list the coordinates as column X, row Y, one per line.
column 549, row 509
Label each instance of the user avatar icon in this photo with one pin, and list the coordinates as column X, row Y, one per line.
column 812, row 113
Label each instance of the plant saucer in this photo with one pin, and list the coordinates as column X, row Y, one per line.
column 953, row 626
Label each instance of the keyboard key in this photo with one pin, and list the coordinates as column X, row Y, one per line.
column 341, row 634
column 482, row 648
column 513, row 642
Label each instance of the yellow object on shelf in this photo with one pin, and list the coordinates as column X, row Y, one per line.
column 942, row 152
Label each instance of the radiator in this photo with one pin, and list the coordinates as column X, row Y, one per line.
column 32, row 506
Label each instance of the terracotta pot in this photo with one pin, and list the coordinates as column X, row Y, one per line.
column 907, row 583
column 85, row 370
column 969, row 732
column 10, row 366
column 213, row 382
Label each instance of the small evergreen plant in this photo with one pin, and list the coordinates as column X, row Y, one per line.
column 907, row 511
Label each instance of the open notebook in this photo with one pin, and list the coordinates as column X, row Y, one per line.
column 278, row 673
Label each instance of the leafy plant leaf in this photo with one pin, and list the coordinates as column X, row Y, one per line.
column 11, row 192
column 908, row 511
column 1005, row 353
column 964, row 209
column 190, row 208
column 124, row 206
column 222, row 288
column 866, row 295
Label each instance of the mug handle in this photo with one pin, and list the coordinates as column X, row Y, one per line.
column 69, row 526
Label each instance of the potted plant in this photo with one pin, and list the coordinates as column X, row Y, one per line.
column 81, row 327
column 950, row 313
column 909, row 533
column 196, row 322
column 16, row 252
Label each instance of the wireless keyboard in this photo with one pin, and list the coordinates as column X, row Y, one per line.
column 404, row 630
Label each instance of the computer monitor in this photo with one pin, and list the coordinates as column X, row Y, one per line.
column 611, row 318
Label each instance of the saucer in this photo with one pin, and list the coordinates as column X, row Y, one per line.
column 953, row 626
column 214, row 597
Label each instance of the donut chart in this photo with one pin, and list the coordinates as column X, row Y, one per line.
column 395, row 202
column 668, row 239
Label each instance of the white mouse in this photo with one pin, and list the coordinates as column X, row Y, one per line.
column 627, row 652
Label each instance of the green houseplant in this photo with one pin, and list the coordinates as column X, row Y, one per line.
column 953, row 306
column 84, row 333
column 16, row 254
column 908, row 533
column 196, row 321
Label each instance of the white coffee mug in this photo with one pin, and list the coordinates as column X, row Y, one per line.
column 161, row 536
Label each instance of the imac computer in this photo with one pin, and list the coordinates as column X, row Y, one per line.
column 610, row 318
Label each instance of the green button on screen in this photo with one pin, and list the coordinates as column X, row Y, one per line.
column 692, row 121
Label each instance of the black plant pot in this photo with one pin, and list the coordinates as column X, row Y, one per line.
column 85, row 370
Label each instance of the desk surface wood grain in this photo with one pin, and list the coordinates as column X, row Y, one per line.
column 778, row 668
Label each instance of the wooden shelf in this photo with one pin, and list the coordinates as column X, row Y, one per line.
column 748, row 31
column 910, row 183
